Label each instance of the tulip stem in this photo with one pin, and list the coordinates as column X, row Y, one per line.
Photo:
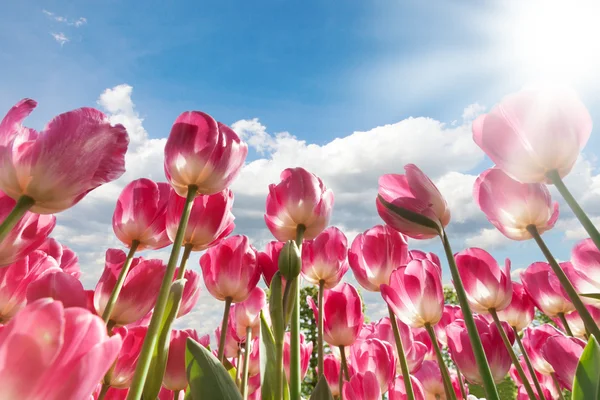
column 450, row 395
column 557, row 386
column 103, row 391
column 344, row 363
column 114, row 295
column 176, row 394
column 21, row 207
column 410, row 395
column 484, row 368
column 321, row 364
column 237, row 370
column 527, row 360
column 246, row 362
column 143, row 365
column 590, row 324
column 575, row 207
column 341, row 383
column 224, row 325
column 461, row 383
column 512, row 354
column 187, row 250
column 562, row 318
column 295, row 372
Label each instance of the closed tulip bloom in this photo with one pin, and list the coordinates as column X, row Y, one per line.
column 415, row 293
column 210, row 220
column 300, row 198
column 576, row 323
column 27, row 235
column 268, row 260
column 430, row 377
column 534, row 131
column 247, row 313
column 230, row 269
column 375, row 254
column 534, row 340
column 331, row 370
column 397, row 391
column 563, row 354
column 141, row 213
column 421, row 335
column 362, row 386
column 76, row 152
column 139, row 291
column 66, row 258
column 512, row 206
column 342, row 315
column 306, row 349
column 520, row 312
column 585, row 258
column 191, row 291
column 546, row 382
column 413, row 192
column 421, row 255
column 202, row 152
column 58, row 285
column 64, row 352
column 121, row 374
column 324, row 258
column 451, row 313
column 544, row 288
column 175, row 377
column 486, row 284
column 376, row 356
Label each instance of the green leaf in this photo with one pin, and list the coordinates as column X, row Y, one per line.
column 586, row 385
column 208, row 379
column 591, row 295
column 321, row 391
column 268, row 363
column 410, row 215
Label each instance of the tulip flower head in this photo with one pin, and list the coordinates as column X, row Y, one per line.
column 534, row 340
column 377, row 356
column 121, row 375
column 544, row 288
column 575, row 322
column 397, row 391
column 451, row 313
column 191, row 291
column 585, row 258
column 247, row 313
column 520, row 312
column 324, row 258
column 58, row 285
column 175, row 377
column 563, row 354
column 306, row 349
column 268, row 260
column 65, row 257
column 430, row 377
column 362, row 386
column 331, row 370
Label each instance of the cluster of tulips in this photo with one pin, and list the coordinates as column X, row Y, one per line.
column 61, row 341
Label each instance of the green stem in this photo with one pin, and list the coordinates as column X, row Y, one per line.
column 410, row 394
column 461, row 383
column 246, row 362
column 114, row 295
column 341, row 383
column 224, row 324
column 321, row 364
column 187, row 250
column 344, row 363
column 237, row 370
column 143, row 365
column 484, row 368
column 534, row 377
column 590, row 324
column 557, row 386
column 279, row 374
column 563, row 319
column 450, row 395
column 177, row 394
column 512, row 354
column 577, row 210
column 295, row 371
column 103, row 391
column 21, row 207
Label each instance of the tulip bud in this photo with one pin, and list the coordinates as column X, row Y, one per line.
column 290, row 261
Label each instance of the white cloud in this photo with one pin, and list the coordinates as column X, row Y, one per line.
column 117, row 101
column 64, row 20
column 60, row 37
column 488, row 238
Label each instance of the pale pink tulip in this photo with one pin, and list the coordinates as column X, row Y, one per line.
column 421, row 255
column 324, row 258
column 247, row 313
column 300, row 198
column 202, row 152
column 139, row 292
column 416, row 193
column 415, row 293
column 544, row 288
column 331, row 370
column 53, row 353
column 535, row 131
column 534, row 340
column 585, row 258
column 121, row 374
column 376, row 356
column 362, row 386
column 65, row 257
column 451, row 313
column 397, row 390
column 76, row 152
column 210, row 220
column 487, row 286
column 520, row 312
column 305, row 353
column 430, row 377
column 141, row 214
column 230, row 269
column 342, row 315
column 576, row 323
column 191, row 291
column 175, row 376
column 375, row 254
column 563, row 353
column 58, row 285
column 268, row 260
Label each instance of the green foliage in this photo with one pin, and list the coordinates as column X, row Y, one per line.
column 506, row 389
column 586, row 385
column 321, row 391
column 450, row 295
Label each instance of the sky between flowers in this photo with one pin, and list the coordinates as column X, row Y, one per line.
column 348, row 91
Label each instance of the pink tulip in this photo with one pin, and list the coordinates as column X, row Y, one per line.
column 230, row 269
column 532, row 132
column 26, row 236
column 487, row 286
column 331, row 370
column 520, row 312
column 140, row 289
column 121, row 375
column 375, row 254
column 534, row 340
column 324, row 258
column 116, row 394
column 202, row 152
column 397, row 390
column 585, row 258
column 254, row 361
column 376, row 356
column 416, row 193
column 232, row 342
column 451, row 313
column 545, row 289
column 362, row 386
column 53, row 353
column 563, row 354
column 300, row 198
column 576, row 323
column 512, row 206
column 65, row 257
column 342, row 315
column 421, row 335
column 58, row 285
column 247, row 313
column 546, row 382
column 210, row 220
column 141, row 213
column 254, row 388
column 415, row 293
column 495, row 351
column 76, row 152
column 305, row 353
column 175, row 377
column 191, row 291
column 268, row 260
column 430, row 377
column 421, row 255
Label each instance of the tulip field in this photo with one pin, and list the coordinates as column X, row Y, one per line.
column 61, row 341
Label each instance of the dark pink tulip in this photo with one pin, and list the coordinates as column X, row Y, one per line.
column 576, row 323
column 430, row 377
column 376, row 356
column 305, row 353
column 415, row 293
column 116, row 394
column 268, row 260
column 421, row 255
column 342, row 315
column 65, row 257
column 534, row 131
column 210, row 220
column 247, row 313
column 324, row 258
column 121, row 375
column 544, row 288
column 64, row 352
column 76, row 152
column 520, row 311
column 331, row 370
column 26, row 236
column 451, row 313
column 375, row 254
column 230, row 269
column 175, row 377
column 487, row 285
column 141, row 214
column 512, row 206
column 58, row 285
column 191, row 291
column 254, row 388
column 362, row 386
column 202, row 152
column 416, row 193
column 300, row 198
column 534, row 340
column 397, row 390
column 563, row 353
column 139, row 291
column 585, row 258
